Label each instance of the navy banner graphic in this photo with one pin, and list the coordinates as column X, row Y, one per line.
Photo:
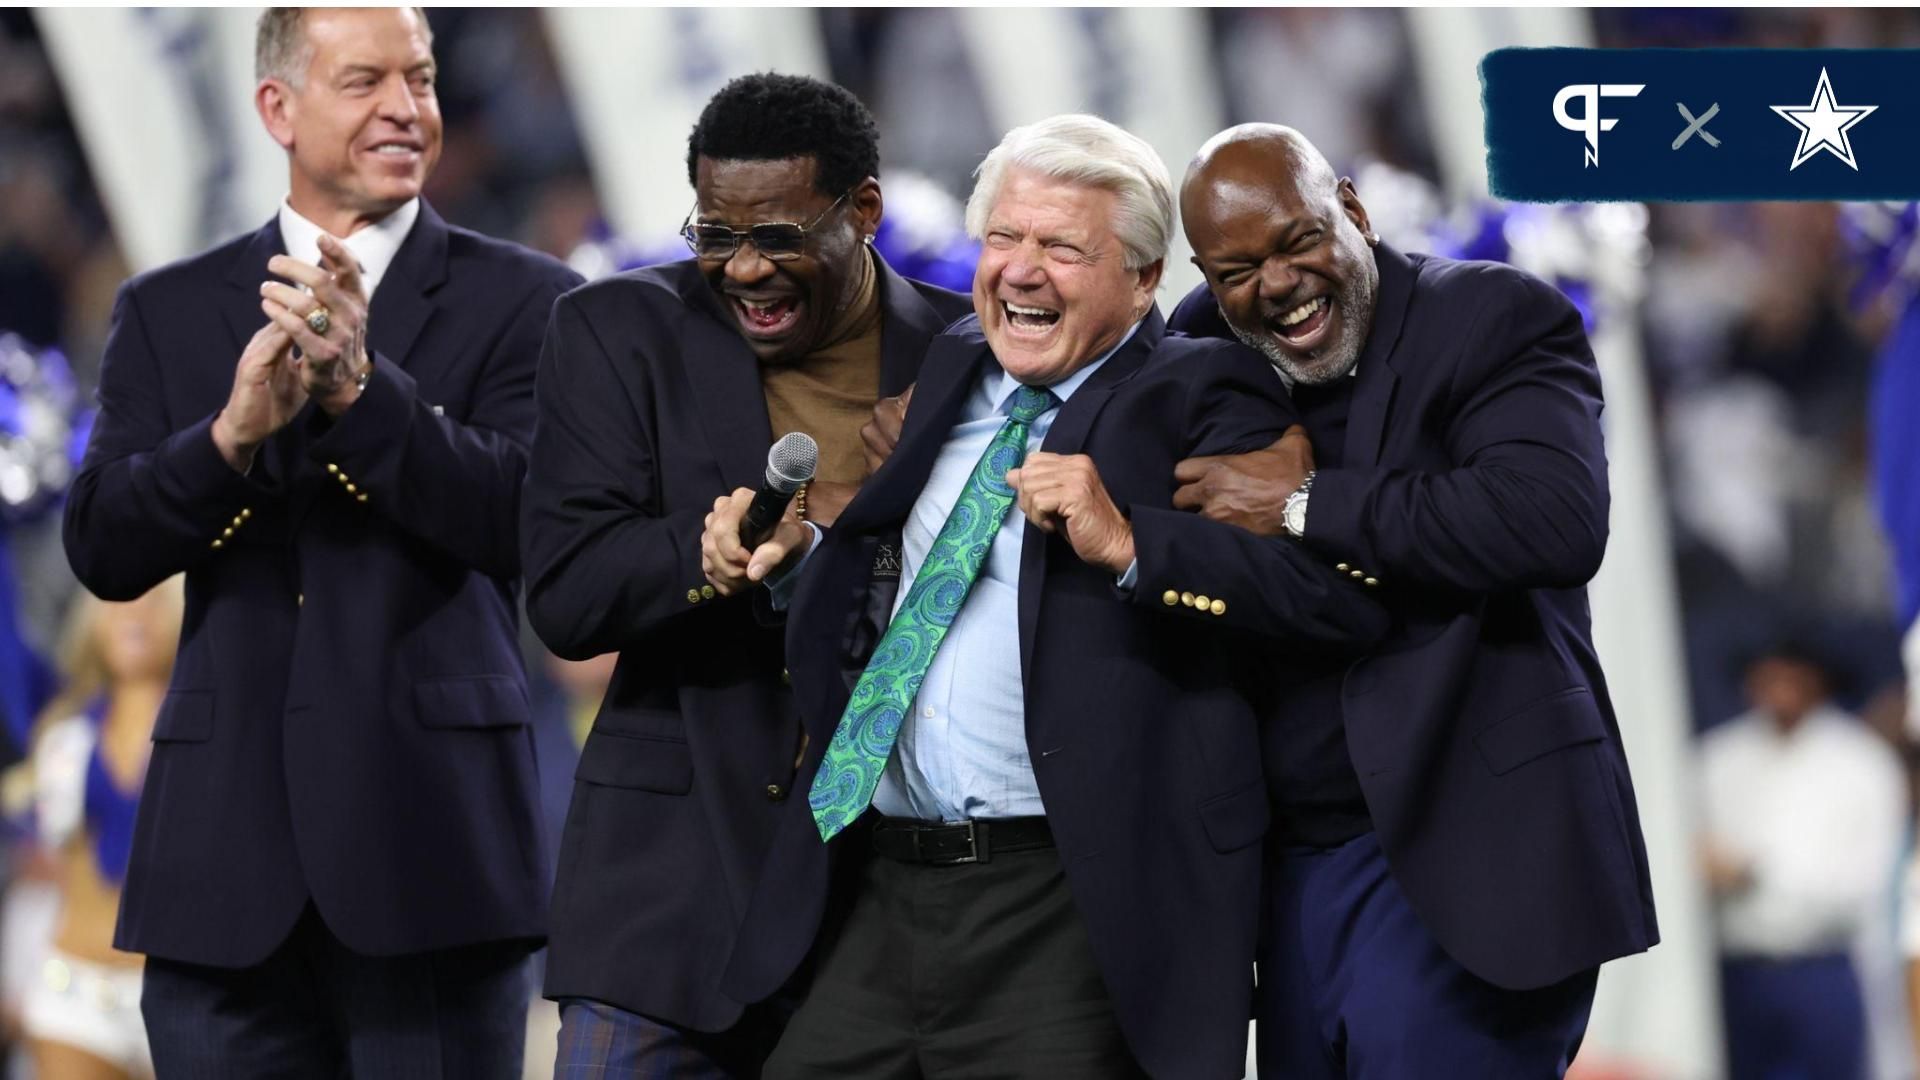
column 1598, row 125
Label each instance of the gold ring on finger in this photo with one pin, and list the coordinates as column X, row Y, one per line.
column 319, row 319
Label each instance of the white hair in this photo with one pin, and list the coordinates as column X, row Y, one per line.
column 1084, row 149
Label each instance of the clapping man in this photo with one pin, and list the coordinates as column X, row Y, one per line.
column 337, row 867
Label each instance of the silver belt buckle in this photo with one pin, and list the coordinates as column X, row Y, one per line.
column 976, row 848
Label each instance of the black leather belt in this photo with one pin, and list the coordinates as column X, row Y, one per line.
column 971, row 841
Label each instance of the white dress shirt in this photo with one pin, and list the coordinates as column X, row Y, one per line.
column 374, row 245
column 1819, row 813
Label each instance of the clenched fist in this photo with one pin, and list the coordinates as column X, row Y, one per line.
column 1067, row 493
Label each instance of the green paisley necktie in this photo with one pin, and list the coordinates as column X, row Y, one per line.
column 843, row 788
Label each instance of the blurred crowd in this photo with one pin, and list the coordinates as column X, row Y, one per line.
column 1761, row 364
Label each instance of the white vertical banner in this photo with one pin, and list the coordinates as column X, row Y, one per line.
column 638, row 80
column 1659, row 1011
column 163, row 101
column 1148, row 70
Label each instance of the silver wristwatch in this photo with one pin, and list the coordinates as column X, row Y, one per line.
column 1293, row 512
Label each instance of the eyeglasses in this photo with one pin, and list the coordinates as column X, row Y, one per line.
column 780, row 241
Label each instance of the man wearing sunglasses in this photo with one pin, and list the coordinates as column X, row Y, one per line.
column 660, row 390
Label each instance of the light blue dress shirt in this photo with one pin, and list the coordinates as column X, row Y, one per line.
column 962, row 750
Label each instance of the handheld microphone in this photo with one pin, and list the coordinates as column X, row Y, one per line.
column 790, row 463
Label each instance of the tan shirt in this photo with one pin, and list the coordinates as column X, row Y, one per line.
column 830, row 392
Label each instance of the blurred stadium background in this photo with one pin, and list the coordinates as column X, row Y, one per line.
column 1745, row 348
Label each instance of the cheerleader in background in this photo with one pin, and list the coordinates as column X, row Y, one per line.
column 89, row 759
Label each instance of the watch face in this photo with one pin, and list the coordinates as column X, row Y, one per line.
column 1295, row 513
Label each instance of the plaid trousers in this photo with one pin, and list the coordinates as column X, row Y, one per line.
column 601, row 1042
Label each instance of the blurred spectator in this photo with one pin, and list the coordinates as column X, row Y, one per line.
column 511, row 146
column 1339, row 72
column 1763, row 387
column 1805, row 813
column 34, row 247
column 58, row 266
column 89, row 759
column 58, row 270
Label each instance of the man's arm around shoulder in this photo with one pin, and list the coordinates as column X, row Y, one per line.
column 1193, row 567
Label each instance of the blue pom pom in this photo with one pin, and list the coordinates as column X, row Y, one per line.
column 40, row 409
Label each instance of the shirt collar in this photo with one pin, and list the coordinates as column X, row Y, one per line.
column 374, row 246
column 1003, row 393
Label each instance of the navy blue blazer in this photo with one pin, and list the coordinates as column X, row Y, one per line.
column 347, row 720
column 1143, row 740
column 650, row 408
column 1473, row 488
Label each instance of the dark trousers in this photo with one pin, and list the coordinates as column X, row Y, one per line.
column 1352, row 986
column 316, row 1009
column 601, row 1042
column 1799, row 1019
column 971, row 971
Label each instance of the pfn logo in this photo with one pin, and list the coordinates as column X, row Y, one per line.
column 1589, row 122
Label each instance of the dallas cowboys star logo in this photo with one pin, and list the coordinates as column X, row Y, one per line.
column 1823, row 125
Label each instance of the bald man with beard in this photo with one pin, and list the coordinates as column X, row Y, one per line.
column 1455, row 847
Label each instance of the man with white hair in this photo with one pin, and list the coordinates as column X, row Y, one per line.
column 1040, row 799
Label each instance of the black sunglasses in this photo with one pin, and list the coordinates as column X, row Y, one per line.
column 780, row 241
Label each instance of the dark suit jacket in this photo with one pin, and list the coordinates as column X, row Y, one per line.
column 347, row 719
column 1143, row 743
column 650, row 408
column 1474, row 490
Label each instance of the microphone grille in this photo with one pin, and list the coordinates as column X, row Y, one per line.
column 792, row 461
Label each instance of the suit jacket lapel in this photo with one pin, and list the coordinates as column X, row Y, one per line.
column 909, row 323
column 1067, row 435
column 1373, row 397
column 724, row 375
column 401, row 307
column 1070, row 429
column 240, row 304
column 953, row 365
